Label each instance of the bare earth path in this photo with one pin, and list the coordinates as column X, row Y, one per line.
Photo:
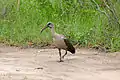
column 41, row 64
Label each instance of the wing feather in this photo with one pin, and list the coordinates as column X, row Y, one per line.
column 69, row 46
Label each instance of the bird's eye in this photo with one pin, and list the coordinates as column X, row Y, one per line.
column 49, row 23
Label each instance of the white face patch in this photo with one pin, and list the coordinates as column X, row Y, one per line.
column 51, row 25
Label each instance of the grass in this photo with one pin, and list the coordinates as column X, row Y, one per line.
column 83, row 25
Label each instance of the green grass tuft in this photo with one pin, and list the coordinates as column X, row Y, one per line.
column 81, row 23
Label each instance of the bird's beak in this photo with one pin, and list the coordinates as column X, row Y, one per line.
column 43, row 29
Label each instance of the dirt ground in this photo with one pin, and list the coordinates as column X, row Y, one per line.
column 42, row 64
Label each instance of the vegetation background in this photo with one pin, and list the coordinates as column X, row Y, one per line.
column 89, row 23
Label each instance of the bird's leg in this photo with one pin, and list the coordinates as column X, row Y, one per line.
column 64, row 54
column 60, row 55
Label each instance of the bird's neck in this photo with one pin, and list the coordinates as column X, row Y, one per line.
column 53, row 31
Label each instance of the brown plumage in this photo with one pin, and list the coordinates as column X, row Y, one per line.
column 61, row 42
column 69, row 46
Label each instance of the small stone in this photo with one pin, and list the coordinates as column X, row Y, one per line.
column 39, row 68
column 17, row 70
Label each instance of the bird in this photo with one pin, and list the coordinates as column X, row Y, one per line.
column 60, row 41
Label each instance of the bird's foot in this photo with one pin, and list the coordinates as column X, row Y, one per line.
column 62, row 57
column 61, row 61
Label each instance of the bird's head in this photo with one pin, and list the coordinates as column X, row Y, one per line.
column 49, row 25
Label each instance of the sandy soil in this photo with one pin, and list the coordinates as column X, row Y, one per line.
column 42, row 64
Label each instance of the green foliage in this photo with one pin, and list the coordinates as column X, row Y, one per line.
column 77, row 19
